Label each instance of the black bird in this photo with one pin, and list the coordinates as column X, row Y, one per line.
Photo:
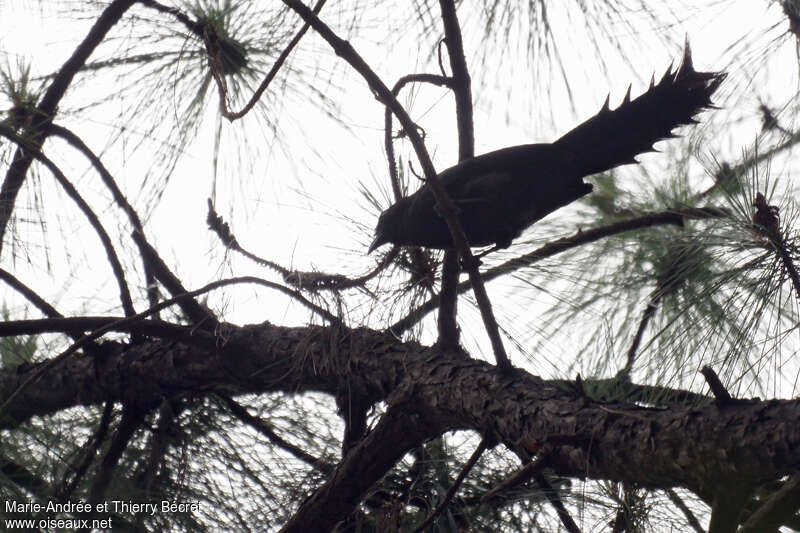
column 501, row 193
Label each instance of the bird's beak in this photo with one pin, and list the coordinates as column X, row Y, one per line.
column 376, row 243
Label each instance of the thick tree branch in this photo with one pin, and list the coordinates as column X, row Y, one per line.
column 125, row 322
column 729, row 501
column 752, row 442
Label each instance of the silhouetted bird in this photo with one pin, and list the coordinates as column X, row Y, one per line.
column 501, row 193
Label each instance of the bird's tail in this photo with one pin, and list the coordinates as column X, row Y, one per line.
column 616, row 136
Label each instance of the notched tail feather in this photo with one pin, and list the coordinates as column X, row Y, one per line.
column 616, row 136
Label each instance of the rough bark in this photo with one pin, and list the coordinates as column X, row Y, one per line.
column 697, row 448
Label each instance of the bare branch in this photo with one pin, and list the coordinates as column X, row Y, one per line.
column 29, row 294
column 451, row 492
column 552, row 495
column 199, row 314
column 116, row 193
column 777, row 510
column 72, row 192
column 680, row 504
column 448, row 301
column 87, row 454
column 240, row 412
column 47, row 107
column 517, row 478
column 231, row 115
column 308, row 281
column 461, row 82
column 131, row 421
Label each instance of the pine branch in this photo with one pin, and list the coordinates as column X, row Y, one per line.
column 658, row 218
column 15, row 176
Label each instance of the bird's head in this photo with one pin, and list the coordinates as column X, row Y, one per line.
column 387, row 228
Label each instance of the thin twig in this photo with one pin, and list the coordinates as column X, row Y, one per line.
column 417, row 257
column 88, row 453
column 44, row 112
column 388, row 136
column 727, row 173
column 109, row 181
column 72, row 192
column 691, row 519
column 241, row 412
column 231, row 115
column 310, row 281
column 198, row 30
column 648, row 314
column 517, row 478
column 451, row 492
column 552, row 495
column 199, row 314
